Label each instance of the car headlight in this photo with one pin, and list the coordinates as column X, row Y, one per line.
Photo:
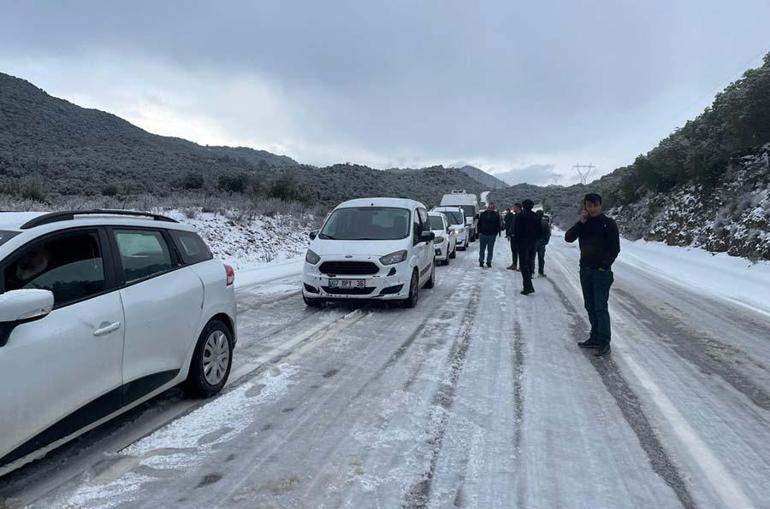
column 311, row 257
column 438, row 240
column 397, row 257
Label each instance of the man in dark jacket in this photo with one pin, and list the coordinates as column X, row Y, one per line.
column 542, row 241
column 526, row 229
column 599, row 246
column 489, row 229
column 510, row 235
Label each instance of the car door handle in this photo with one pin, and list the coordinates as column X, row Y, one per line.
column 106, row 328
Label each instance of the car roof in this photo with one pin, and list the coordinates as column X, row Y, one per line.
column 15, row 221
column 381, row 202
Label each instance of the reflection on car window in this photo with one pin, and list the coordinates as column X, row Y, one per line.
column 436, row 223
column 191, row 247
column 367, row 223
column 143, row 253
column 68, row 265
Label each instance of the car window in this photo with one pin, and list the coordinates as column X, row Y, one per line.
column 5, row 236
column 191, row 247
column 436, row 223
column 69, row 265
column 143, row 253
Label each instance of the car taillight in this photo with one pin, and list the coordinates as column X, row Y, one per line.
column 230, row 274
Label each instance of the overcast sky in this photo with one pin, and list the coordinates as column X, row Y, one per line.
column 532, row 86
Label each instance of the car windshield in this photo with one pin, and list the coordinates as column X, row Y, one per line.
column 367, row 223
column 469, row 210
column 436, row 223
column 453, row 217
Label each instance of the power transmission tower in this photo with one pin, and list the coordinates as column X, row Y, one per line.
column 583, row 171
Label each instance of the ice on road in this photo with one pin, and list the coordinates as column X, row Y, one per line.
column 478, row 397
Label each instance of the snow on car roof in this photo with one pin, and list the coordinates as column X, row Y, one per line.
column 14, row 220
column 381, row 202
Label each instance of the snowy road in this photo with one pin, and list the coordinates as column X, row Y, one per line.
column 479, row 397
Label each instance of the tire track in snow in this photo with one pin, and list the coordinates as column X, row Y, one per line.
column 631, row 408
column 418, row 495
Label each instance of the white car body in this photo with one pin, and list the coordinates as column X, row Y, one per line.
column 470, row 204
column 105, row 345
column 356, row 268
column 462, row 230
column 445, row 242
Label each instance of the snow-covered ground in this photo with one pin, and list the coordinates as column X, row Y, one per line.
column 478, row 397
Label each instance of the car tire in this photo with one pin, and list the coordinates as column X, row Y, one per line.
column 414, row 292
column 312, row 303
column 453, row 254
column 213, row 353
column 430, row 283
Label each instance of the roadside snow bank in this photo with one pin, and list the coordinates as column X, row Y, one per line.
column 719, row 274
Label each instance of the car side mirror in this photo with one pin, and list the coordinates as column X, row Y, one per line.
column 427, row 236
column 22, row 306
column 313, row 235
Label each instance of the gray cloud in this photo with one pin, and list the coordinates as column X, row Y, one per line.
column 500, row 84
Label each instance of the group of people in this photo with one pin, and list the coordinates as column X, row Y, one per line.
column 529, row 232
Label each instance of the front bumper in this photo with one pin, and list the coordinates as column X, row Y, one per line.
column 390, row 283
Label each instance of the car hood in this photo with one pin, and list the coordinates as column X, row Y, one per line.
column 374, row 248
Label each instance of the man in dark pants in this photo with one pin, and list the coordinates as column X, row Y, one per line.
column 511, row 236
column 489, row 229
column 542, row 241
column 599, row 246
column 526, row 229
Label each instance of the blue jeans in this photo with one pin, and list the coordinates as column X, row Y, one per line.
column 486, row 243
column 596, row 292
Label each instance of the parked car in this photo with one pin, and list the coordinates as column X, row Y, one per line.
column 99, row 312
column 371, row 248
column 470, row 205
column 456, row 219
column 445, row 243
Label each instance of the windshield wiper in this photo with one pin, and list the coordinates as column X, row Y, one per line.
column 326, row 237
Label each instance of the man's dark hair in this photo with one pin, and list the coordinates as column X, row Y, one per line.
column 528, row 204
column 592, row 198
column 517, row 204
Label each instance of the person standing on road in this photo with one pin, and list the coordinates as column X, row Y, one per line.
column 489, row 229
column 527, row 230
column 510, row 235
column 599, row 247
column 542, row 241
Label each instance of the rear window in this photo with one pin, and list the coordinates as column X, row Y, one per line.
column 6, row 236
column 143, row 254
column 436, row 223
column 191, row 247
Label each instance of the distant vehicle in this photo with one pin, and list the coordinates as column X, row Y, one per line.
column 456, row 218
column 445, row 243
column 470, row 205
column 371, row 248
column 99, row 312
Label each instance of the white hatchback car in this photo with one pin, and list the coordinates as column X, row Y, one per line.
column 445, row 243
column 371, row 248
column 100, row 311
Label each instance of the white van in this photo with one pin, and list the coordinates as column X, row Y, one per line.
column 445, row 243
column 456, row 219
column 371, row 248
column 470, row 205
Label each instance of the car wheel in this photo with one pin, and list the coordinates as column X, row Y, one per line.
column 414, row 292
column 312, row 303
column 430, row 283
column 211, row 362
column 453, row 254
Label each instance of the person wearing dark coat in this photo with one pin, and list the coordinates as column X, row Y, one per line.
column 599, row 247
column 527, row 230
column 542, row 241
column 510, row 220
column 489, row 229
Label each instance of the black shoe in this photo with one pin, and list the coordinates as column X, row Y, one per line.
column 602, row 351
column 589, row 343
column 489, row 264
column 511, row 267
column 527, row 292
column 541, row 274
column 481, row 264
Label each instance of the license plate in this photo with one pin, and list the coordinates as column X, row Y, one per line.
column 438, row 251
column 347, row 283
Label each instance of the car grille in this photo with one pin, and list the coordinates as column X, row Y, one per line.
column 348, row 291
column 349, row 268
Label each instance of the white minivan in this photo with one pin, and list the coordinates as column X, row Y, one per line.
column 456, row 219
column 371, row 248
column 100, row 311
column 470, row 205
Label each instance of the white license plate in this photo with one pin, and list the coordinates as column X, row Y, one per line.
column 347, row 283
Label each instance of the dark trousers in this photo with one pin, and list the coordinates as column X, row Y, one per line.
column 596, row 292
column 526, row 258
column 540, row 259
column 514, row 250
column 486, row 243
